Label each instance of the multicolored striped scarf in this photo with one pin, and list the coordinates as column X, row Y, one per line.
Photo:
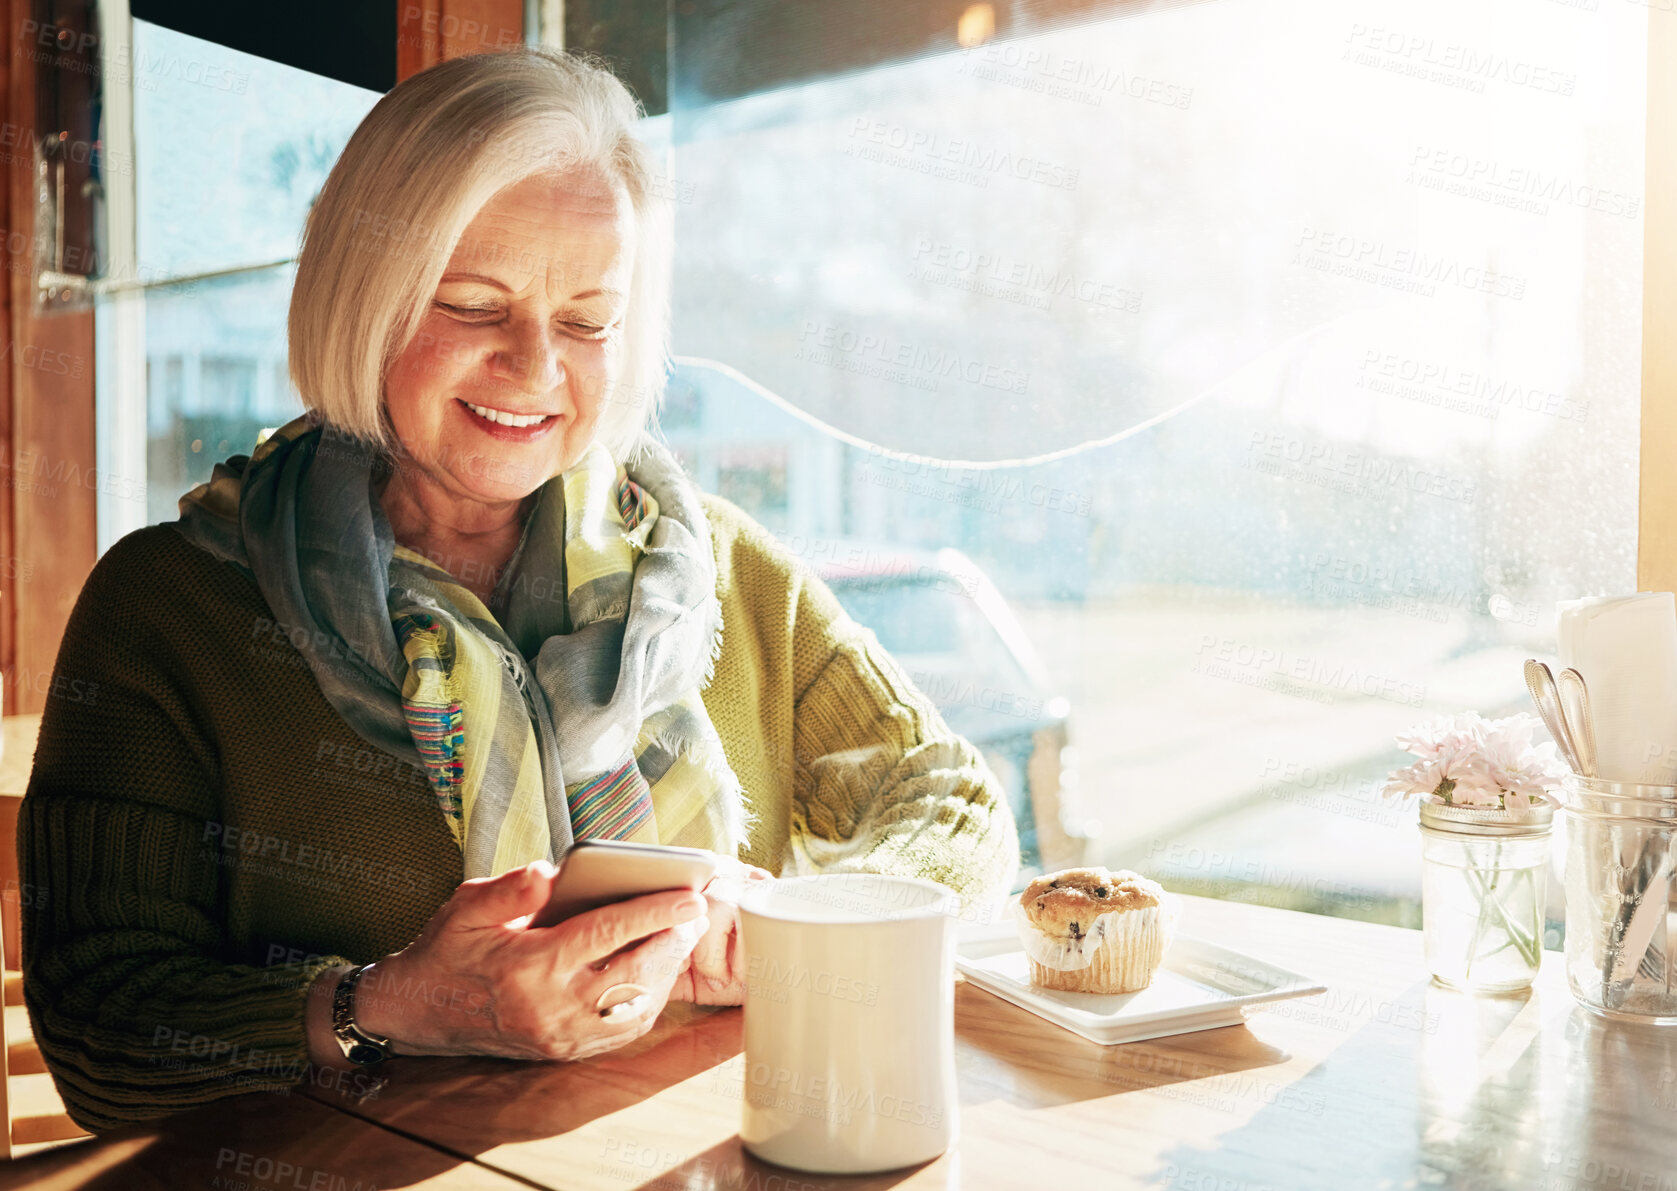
column 572, row 713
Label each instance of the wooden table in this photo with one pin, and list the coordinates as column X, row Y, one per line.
column 1382, row 1082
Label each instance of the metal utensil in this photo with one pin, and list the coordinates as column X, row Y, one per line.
column 1575, row 708
column 1655, row 965
column 1645, row 887
column 1540, row 681
column 1668, row 936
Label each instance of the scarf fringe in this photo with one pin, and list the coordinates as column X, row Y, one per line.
column 715, row 654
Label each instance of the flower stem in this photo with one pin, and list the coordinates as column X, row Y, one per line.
column 1479, row 923
column 1491, row 906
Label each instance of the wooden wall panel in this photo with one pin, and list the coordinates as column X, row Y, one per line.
column 48, row 461
column 8, row 545
column 428, row 31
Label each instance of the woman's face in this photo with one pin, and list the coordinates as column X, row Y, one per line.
column 525, row 323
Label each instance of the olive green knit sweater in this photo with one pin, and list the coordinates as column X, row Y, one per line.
column 203, row 834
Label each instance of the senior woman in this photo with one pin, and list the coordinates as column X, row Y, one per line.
column 354, row 703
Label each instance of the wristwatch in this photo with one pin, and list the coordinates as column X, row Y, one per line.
column 358, row 1045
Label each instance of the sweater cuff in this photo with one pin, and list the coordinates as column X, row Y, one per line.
column 248, row 1036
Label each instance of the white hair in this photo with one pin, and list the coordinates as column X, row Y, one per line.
column 415, row 173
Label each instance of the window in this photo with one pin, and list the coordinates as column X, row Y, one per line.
column 755, row 480
column 680, row 408
column 1278, row 363
column 230, row 149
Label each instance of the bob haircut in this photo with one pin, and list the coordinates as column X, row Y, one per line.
column 414, row 174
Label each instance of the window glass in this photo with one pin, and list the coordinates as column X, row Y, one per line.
column 1278, row 363
column 215, row 363
column 755, row 479
column 909, row 617
column 230, row 150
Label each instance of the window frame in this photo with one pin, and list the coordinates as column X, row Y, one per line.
column 1656, row 541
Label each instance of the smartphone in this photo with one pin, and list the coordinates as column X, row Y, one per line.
column 597, row 872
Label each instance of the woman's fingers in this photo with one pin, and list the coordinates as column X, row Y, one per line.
column 656, row 963
column 717, row 975
column 602, row 932
column 624, row 1029
column 710, row 954
column 496, row 901
column 540, row 987
column 736, row 954
column 730, row 869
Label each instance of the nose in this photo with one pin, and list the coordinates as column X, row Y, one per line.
column 533, row 359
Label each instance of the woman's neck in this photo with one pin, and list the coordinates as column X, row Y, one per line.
column 471, row 540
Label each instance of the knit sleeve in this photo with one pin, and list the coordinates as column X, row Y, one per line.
column 882, row 784
column 136, row 1013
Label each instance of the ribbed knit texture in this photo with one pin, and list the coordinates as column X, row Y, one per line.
column 206, row 835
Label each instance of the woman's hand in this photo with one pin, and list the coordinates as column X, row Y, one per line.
column 715, row 975
column 480, row 981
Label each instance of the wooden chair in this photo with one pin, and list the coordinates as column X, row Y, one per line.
column 30, row 1109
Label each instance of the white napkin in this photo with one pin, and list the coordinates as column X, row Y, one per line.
column 1626, row 649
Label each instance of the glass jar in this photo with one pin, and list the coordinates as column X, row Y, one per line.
column 1483, row 879
column 1619, row 898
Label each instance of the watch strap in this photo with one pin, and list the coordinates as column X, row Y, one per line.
column 358, row 1045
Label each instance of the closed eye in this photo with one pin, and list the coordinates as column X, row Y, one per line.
column 468, row 311
column 484, row 314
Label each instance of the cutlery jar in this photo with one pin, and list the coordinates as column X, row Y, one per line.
column 1619, row 853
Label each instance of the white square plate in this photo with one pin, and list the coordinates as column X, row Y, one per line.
column 1200, row 986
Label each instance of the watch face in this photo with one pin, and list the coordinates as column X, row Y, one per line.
column 365, row 1053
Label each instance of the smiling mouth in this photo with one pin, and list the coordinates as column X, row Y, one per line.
column 503, row 418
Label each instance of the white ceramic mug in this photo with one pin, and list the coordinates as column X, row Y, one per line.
column 849, row 1022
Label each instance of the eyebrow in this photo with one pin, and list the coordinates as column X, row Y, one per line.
column 474, row 277
column 593, row 293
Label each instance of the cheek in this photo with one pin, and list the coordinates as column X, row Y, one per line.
column 404, row 400
column 439, row 353
column 415, row 371
column 419, row 380
column 595, row 371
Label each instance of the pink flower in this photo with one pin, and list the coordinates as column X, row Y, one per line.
column 1466, row 760
column 1476, row 785
column 1520, row 768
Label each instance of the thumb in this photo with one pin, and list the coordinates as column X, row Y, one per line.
column 496, row 901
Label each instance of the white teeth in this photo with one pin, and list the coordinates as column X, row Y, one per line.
column 504, row 418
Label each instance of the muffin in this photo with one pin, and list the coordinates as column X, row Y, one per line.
column 1095, row 931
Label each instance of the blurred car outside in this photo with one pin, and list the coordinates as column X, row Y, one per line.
column 943, row 619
